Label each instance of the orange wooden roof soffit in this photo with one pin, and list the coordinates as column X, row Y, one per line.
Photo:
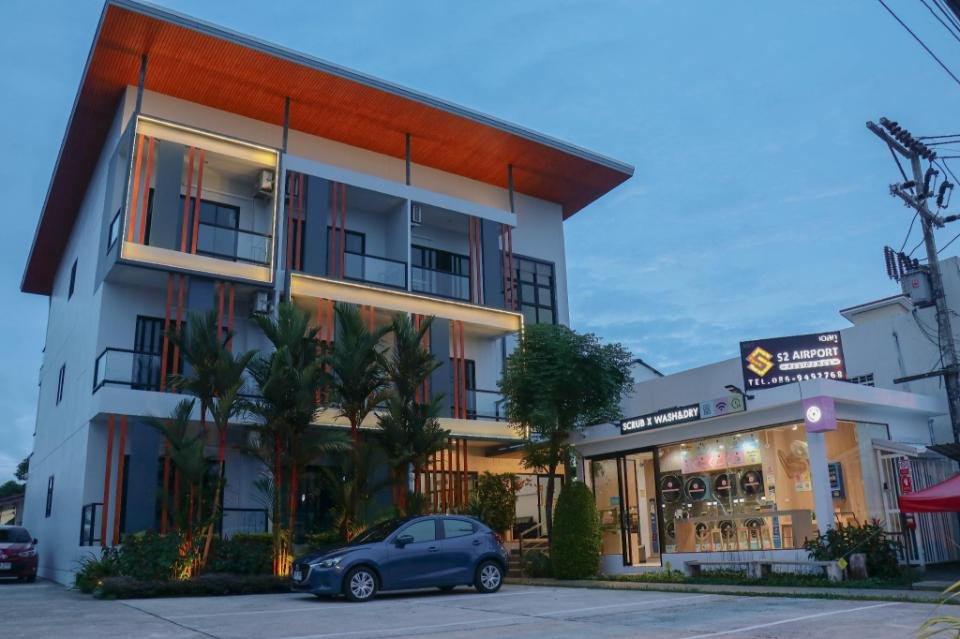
column 202, row 63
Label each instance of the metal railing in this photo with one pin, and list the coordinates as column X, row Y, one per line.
column 485, row 404
column 440, row 283
column 90, row 520
column 140, row 370
column 248, row 246
column 375, row 270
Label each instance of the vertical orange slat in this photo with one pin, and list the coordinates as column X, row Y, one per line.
column 219, row 310
column 466, row 473
column 135, row 189
column 458, row 485
column 166, row 482
column 118, row 496
column 106, row 482
column 331, row 243
column 166, row 328
column 443, row 479
column 146, row 193
column 230, row 316
column 186, row 202
column 450, row 474
column 196, row 202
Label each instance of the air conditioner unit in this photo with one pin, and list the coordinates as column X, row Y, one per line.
column 416, row 215
column 916, row 286
column 265, row 182
column 262, row 303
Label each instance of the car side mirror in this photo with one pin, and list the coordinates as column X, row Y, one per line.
column 403, row 540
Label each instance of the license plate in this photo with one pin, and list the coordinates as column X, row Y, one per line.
column 296, row 574
column 6, row 565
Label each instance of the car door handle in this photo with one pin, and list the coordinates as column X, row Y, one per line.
column 476, row 542
column 433, row 548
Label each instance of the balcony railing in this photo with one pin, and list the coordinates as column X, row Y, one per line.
column 140, row 370
column 485, row 404
column 441, row 283
column 375, row 270
column 235, row 244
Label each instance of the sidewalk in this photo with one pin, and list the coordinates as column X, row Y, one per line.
column 868, row 594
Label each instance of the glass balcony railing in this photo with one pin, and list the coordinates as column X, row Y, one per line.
column 441, row 283
column 484, row 404
column 375, row 270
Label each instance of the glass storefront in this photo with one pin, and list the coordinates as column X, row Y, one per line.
column 743, row 491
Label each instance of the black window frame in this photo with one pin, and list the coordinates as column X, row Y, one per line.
column 49, row 505
column 460, row 263
column 535, row 304
column 237, row 230
column 61, row 381
column 113, row 230
column 73, row 279
column 347, row 233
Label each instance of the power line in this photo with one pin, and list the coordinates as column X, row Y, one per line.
column 921, row 42
column 943, row 248
column 909, row 230
column 939, row 162
column 947, row 14
column 936, row 137
column 940, row 20
column 899, row 166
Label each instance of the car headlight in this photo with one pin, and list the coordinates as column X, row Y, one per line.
column 329, row 563
column 27, row 553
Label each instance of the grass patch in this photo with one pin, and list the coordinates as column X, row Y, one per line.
column 199, row 586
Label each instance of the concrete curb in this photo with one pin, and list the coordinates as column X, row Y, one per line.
column 857, row 594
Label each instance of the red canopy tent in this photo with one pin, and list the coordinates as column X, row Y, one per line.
column 940, row 498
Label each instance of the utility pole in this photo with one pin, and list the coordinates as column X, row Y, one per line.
column 904, row 144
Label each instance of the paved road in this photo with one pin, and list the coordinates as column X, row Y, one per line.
column 48, row 610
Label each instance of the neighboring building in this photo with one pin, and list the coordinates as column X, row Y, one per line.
column 11, row 510
column 756, row 483
column 201, row 170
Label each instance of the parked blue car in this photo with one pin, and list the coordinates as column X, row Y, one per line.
column 435, row 551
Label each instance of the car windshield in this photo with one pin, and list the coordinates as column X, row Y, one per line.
column 14, row 536
column 377, row 532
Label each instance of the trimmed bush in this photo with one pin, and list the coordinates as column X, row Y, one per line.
column 149, row 556
column 575, row 541
column 202, row 585
column 323, row 541
column 242, row 554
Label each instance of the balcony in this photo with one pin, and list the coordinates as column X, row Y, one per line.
column 140, row 370
column 198, row 202
column 375, row 270
column 440, row 283
column 486, row 405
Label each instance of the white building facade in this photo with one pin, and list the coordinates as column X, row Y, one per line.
column 205, row 171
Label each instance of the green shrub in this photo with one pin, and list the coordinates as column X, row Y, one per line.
column 575, row 542
column 869, row 539
column 495, row 501
column 242, row 554
column 93, row 570
column 202, row 585
column 326, row 540
column 149, row 556
column 536, row 563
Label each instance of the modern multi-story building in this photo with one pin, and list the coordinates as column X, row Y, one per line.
column 202, row 169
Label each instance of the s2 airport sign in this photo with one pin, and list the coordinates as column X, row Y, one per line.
column 783, row 360
column 683, row 414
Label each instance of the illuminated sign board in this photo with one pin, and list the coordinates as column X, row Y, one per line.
column 767, row 363
column 683, row 414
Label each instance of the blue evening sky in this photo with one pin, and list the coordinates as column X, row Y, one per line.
column 759, row 205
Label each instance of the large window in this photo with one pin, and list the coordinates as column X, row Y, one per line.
column 746, row 491
column 221, row 233
column 440, row 272
column 536, row 290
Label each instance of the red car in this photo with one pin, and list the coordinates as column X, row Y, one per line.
column 18, row 554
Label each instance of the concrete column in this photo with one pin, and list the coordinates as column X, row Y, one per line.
column 492, row 264
column 166, row 221
column 142, row 473
column 440, row 379
column 820, row 477
column 317, row 215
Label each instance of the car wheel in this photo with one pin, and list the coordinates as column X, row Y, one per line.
column 360, row 584
column 489, row 577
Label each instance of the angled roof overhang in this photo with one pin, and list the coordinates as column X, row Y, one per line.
column 202, row 63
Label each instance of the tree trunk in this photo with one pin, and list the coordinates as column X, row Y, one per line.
column 215, row 508
column 548, row 507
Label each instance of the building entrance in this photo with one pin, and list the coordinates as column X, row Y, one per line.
column 625, row 492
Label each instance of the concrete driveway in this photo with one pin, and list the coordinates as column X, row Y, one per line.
column 47, row 610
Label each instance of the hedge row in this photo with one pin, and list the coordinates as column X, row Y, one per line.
column 201, row 585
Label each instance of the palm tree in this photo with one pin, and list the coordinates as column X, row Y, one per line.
column 216, row 379
column 290, row 380
column 409, row 430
